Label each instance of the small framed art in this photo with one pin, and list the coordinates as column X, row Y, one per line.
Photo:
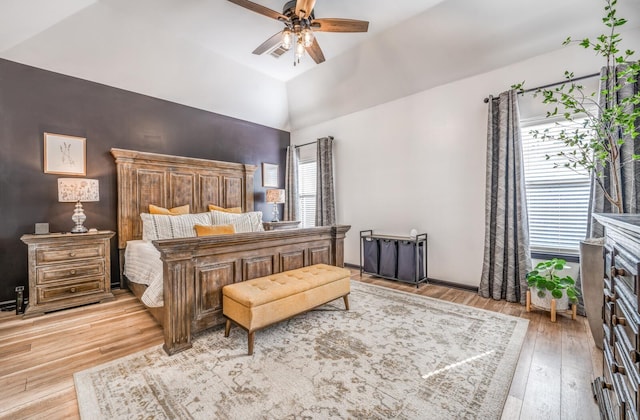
column 64, row 155
column 269, row 175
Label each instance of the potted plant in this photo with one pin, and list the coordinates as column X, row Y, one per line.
column 546, row 284
column 612, row 119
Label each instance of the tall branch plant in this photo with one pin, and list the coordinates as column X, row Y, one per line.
column 609, row 120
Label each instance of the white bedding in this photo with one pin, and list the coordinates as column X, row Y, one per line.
column 142, row 265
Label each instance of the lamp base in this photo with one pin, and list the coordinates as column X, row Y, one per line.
column 79, row 218
column 79, row 229
column 275, row 213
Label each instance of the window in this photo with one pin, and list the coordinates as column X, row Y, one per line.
column 557, row 198
column 307, row 167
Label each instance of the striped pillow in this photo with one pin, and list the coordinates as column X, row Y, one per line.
column 244, row 222
column 160, row 226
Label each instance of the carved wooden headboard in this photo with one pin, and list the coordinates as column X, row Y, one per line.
column 170, row 181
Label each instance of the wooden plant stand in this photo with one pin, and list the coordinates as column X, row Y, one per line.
column 574, row 308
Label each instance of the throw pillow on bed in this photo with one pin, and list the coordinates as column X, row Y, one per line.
column 170, row 212
column 160, row 226
column 244, row 222
column 207, row 230
column 227, row 210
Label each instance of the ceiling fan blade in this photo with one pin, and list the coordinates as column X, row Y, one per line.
column 315, row 52
column 339, row 25
column 304, row 7
column 269, row 44
column 258, row 8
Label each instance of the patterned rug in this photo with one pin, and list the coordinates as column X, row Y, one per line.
column 393, row 355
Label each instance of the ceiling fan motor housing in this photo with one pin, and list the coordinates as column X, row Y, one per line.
column 289, row 10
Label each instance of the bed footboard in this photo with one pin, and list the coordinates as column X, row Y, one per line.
column 196, row 269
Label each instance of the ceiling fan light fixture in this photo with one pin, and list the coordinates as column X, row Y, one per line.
column 299, row 48
column 287, row 39
column 307, row 36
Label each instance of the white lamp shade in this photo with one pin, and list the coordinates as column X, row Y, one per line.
column 275, row 196
column 78, row 189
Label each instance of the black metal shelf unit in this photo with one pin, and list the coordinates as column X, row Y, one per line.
column 401, row 258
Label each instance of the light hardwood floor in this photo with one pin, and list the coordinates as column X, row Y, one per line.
column 38, row 356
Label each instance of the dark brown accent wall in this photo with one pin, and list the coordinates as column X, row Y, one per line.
column 34, row 101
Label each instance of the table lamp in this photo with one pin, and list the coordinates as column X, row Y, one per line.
column 276, row 197
column 77, row 190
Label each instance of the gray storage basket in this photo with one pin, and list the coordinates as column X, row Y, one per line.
column 407, row 260
column 388, row 257
column 370, row 257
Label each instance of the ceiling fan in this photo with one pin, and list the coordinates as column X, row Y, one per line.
column 300, row 24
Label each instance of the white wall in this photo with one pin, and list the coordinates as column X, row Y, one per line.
column 419, row 162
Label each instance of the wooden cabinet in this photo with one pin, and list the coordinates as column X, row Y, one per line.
column 67, row 270
column 401, row 258
column 616, row 391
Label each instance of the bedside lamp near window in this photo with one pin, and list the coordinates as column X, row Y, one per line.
column 77, row 190
column 276, row 197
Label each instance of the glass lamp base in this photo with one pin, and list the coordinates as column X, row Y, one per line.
column 79, row 218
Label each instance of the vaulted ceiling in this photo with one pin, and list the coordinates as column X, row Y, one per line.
column 198, row 52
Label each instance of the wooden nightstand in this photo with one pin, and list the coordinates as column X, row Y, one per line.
column 67, row 270
column 280, row 225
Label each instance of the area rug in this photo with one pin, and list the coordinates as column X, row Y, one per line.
column 393, row 355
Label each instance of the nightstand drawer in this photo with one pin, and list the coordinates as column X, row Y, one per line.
column 66, row 291
column 58, row 272
column 66, row 253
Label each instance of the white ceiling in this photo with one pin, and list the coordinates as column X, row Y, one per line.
column 183, row 50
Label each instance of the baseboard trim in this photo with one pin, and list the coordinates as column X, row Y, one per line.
column 431, row 280
column 453, row 285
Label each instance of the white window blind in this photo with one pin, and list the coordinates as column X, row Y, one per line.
column 557, row 198
column 307, row 168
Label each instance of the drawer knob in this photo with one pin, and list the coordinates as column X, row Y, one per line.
column 615, row 320
column 72, row 290
column 72, row 272
column 615, row 271
column 72, row 254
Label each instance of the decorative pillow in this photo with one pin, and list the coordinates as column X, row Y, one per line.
column 206, row 230
column 244, row 222
column 161, row 226
column 170, row 212
column 213, row 207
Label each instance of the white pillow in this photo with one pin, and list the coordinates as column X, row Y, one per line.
column 161, row 226
column 243, row 222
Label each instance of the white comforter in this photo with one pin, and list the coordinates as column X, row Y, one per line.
column 142, row 265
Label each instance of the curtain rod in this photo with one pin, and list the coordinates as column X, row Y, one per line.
column 306, row 144
column 575, row 79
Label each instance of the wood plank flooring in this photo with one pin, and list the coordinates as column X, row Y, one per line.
column 38, row 356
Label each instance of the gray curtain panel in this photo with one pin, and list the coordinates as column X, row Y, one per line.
column 325, row 193
column 507, row 259
column 629, row 173
column 292, row 202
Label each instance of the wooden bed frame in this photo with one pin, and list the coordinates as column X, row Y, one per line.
column 196, row 269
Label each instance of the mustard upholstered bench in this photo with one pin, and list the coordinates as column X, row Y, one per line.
column 258, row 303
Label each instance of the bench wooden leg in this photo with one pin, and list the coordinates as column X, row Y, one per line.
column 346, row 302
column 250, row 339
column 227, row 328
